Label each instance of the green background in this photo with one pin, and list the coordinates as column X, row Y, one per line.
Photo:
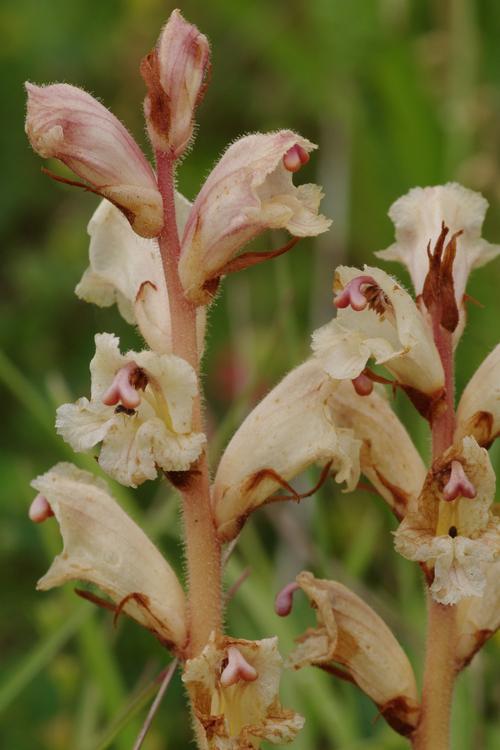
column 397, row 93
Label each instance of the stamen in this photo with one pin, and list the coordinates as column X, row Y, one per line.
column 362, row 385
column 284, row 600
column 40, row 509
column 237, row 669
column 458, row 485
column 123, row 389
column 353, row 294
column 295, row 158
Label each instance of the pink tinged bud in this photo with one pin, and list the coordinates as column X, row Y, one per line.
column 176, row 77
column 123, row 390
column 363, row 385
column 237, row 669
column 63, row 122
column 295, row 158
column 284, row 600
column 40, row 509
column 353, row 293
column 458, row 484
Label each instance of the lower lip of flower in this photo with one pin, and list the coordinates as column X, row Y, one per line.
column 40, row 509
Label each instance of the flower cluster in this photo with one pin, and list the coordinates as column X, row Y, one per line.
column 160, row 259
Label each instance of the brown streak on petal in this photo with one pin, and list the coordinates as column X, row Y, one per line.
column 400, row 715
column 97, row 600
column 158, row 99
column 335, row 671
column 480, row 426
column 428, row 406
column 401, row 498
column 141, row 599
column 181, row 480
column 140, row 291
column 127, row 212
column 481, row 637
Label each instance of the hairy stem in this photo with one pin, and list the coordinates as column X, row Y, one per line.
column 433, row 731
column 203, row 554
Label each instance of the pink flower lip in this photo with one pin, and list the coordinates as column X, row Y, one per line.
column 237, row 669
column 40, row 509
column 122, row 390
column 458, row 485
column 284, row 600
column 295, row 158
column 353, row 293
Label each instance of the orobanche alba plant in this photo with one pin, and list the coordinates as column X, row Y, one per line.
column 161, row 260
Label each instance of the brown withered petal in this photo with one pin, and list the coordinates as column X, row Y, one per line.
column 102, row 545
column 353, row 642
column 478, row 412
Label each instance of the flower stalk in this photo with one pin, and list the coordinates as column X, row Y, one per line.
column 203, row 550
column 433, row 731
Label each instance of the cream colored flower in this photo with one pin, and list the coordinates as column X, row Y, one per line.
column 63, row 122
column 140, row 409
column 418, row 217
column 352, row 642
column 103, row 546
column 457, row 538
column 127, row 270
column 378, row 319
column 288, row 431
column 249, row 190
column 307, row 419
column 478, row 412
column 233, row 685
column 388, row 457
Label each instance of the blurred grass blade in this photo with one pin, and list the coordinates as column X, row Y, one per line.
column 41, row 656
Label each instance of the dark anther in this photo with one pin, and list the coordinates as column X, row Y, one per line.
column 120, row 409
column 452, row 531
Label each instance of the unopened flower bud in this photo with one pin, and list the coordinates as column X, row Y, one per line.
column 66, row 123
column 175, row 73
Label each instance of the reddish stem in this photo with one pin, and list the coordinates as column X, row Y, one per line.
column 202, row 547
column 433, row 731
